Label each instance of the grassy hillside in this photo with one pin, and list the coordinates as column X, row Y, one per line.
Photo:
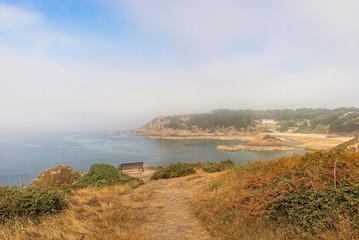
column 55, row 206
column 94, row 213
column 315, row 196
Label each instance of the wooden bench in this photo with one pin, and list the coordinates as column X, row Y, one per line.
column 132, row 165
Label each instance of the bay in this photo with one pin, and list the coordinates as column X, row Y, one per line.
column 24, row 158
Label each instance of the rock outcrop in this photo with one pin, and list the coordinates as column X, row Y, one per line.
column 261, row 143
column 160, row 127
column 113, row 133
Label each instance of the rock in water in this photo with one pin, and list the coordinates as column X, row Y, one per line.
column 114, row 133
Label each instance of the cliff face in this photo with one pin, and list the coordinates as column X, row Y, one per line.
column 156, row 125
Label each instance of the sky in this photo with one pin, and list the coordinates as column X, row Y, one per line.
column 116, row 64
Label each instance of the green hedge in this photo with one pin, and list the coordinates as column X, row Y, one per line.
column 218, row 167
column 29, row 203
column 173, row 170
column 102, row 174
column 313, row 210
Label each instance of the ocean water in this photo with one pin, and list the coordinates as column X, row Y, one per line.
column 24, row 158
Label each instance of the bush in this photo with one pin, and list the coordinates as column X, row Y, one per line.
column 7, row 197
column 218, row 167
column 312, row 210
column 102, row 174
column 173, row 171
column 29, row 203
column 59, row 177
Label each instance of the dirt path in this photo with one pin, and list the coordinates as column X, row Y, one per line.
column 166, row 207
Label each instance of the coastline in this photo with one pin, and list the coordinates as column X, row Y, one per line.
column 237, row 148
column 302, row 141
column 227, row 137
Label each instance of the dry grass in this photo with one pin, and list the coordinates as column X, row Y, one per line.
column 94, row 213
column 234, row 206
column 230, row 205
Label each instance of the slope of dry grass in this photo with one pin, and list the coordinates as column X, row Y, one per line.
column 236, row 206
column 227, row 205
column 94, row 213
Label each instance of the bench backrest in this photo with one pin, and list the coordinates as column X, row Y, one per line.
column 131, row 165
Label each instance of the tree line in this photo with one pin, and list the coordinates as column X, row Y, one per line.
column 304, row 119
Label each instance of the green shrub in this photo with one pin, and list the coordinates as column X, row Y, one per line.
column 315, row 210
column 7, row 197
column 173, row 171
column 29, row 203
column 38, row 202
column 102, row 174
column 218, row 167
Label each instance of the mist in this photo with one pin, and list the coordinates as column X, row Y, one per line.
column 118, row 64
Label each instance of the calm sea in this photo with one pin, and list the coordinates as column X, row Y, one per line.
column 24, row 158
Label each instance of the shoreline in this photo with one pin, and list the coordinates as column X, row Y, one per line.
column 237, row 148
column 303, row 141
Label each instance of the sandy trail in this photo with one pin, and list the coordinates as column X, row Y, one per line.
column 166, row 207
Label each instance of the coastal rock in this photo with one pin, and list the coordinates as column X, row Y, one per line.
column 260, row 143
column 113, row 133
column 266, row 141
column 161, row 127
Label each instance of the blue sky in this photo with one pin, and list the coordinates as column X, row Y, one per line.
column 115, row 64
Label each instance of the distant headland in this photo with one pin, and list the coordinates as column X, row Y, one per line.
column 303, row 128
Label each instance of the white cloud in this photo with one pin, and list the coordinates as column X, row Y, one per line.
column 205, row 23
column 14, row 17
column 29, row 32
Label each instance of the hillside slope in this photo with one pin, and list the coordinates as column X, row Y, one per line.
column 312, row 196
column 232, row 122
column 315, row 196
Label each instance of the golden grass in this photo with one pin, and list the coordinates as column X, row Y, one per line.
column 233, row 207
column 94, row 213
column 230, row 205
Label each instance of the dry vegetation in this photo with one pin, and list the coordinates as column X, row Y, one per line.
column 160, row 209
column 315, row 196
column 94, row 213
column 240, row 205
column 60, row 176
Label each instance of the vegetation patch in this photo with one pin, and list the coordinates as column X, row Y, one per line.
column 60, row 176
column 102, row 174
column 29, row 203
column 315, row 196
column 93, row 213
column 315, row 210
column 218, row 167
column 173, row 171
